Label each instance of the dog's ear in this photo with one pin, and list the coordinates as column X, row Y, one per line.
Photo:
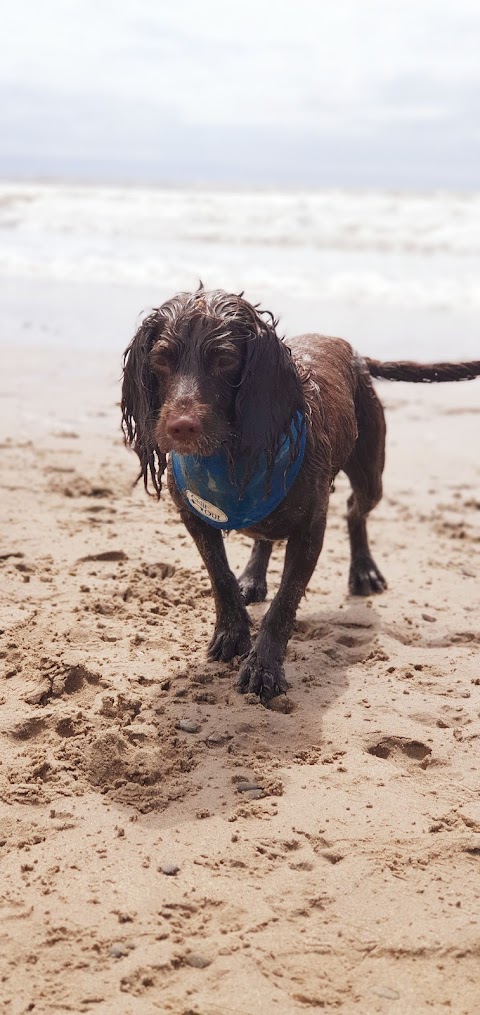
column 269, row 395
column 141, row 402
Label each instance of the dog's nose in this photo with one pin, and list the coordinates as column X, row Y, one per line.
column 183, row 428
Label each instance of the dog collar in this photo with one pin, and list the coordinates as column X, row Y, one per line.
column 213, row 494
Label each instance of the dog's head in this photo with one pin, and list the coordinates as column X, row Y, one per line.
column 204, row 371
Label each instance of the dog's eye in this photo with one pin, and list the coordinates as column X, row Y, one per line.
column 162, row 358
column 222, row 360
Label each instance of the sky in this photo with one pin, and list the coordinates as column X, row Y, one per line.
column 264, row 92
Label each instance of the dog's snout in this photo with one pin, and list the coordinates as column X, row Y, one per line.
column 183, row 428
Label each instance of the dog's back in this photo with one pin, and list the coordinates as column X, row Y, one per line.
column 332, row 365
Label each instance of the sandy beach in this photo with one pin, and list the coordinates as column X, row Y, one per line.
column 141, row 871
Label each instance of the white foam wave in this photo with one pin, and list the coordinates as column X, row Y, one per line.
column 356, row 247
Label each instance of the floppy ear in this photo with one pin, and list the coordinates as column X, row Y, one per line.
column 141, row 402
column 269, row 395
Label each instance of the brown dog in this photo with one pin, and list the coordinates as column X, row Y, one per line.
column 257, row 431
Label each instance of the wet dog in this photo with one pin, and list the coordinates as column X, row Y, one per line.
column 256, row 431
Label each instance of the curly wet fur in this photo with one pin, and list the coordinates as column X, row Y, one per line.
column 259, row 417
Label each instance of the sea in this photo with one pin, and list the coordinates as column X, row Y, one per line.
column 396, row 273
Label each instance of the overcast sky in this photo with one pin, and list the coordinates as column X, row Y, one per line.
column 317, row 92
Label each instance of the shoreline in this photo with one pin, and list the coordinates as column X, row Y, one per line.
column 102, row 317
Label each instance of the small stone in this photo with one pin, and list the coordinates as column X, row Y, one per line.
column 247, row 787
column 187, row 725
column 171, row 869
column 387, row 992
column 254, row 794
column 118, row 951
column 217, row 739
column 428, row 618
column 197, row 961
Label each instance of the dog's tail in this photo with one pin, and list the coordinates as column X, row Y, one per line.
column 423, row 373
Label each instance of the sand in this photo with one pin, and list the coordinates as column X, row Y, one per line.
column 138, row 872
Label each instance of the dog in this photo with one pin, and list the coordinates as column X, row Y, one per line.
column 256, row 431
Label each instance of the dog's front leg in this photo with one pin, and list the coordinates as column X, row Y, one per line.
column 231, row 636
column 262, row 672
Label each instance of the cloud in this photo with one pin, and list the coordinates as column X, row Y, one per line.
column 254, row 92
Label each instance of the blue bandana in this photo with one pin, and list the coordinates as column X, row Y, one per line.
column 206, row 486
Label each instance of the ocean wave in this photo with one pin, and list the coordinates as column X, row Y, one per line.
column 374, row 246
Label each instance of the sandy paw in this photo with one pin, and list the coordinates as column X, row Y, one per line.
column 266, row 681
column 365, row 579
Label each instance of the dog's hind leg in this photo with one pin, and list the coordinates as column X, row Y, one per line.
column 253, row 580
column 364, row 470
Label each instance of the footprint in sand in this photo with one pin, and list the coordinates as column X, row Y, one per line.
column 410, row 636
column 354, row 629
column 28, row 729
column 79, row 486
column 59, row 678
column 403, row 751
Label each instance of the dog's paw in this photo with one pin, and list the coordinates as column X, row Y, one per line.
column 268, row 681
column 229, row 641
column 365, row 579
column 252, row 589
